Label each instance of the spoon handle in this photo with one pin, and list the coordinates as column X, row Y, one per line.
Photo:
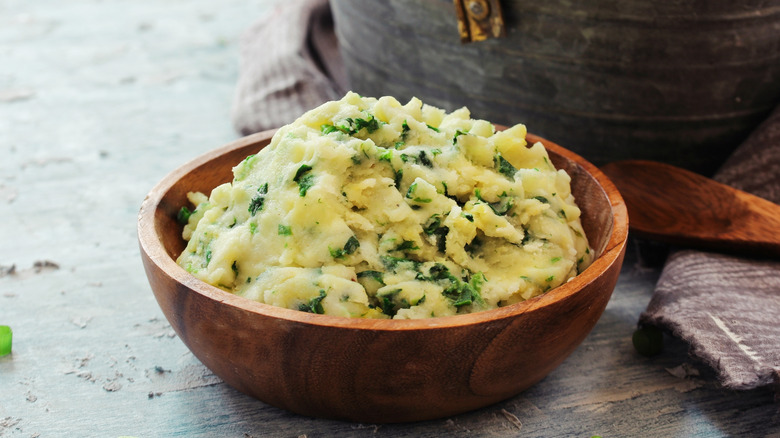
column 676, row 206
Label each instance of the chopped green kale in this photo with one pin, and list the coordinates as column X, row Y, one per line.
column 352, row 244
column 375, row 275
column 304, row 178
column 407, row 245
column 404, row 130
column 424, row 160
column 502, row 207
column 504, row 167
column 256, row 204
column 315, row 304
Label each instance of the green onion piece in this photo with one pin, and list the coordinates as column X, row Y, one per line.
column 183, row 216
column 6, row 336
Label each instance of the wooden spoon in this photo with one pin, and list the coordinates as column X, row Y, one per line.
column 672, row 205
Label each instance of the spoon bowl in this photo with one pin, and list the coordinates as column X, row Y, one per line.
column 676, row 206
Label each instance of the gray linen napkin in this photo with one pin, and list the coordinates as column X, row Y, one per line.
column 727, row 308
column 289, row 63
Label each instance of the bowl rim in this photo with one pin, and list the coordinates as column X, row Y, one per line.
column 152, row 247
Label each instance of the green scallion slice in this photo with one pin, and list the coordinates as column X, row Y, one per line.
column 6, row 336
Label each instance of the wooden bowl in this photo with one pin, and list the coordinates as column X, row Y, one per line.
column 377, row 371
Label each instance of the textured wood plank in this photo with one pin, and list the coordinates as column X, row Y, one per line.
column 99, row 100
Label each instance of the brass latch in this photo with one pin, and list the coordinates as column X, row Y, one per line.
column 479, row 20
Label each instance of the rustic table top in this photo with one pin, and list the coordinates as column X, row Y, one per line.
column 98, row 101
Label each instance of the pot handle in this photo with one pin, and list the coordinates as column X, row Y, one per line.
column 479, row 20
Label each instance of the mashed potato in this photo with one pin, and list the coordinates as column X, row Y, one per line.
column 368, row 208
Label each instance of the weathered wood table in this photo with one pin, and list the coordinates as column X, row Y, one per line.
column 98, row 101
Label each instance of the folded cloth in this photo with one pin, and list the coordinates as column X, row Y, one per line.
column 728, row 308
column 289, row 63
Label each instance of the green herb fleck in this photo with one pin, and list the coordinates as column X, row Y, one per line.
column 404, row 130
column 473, row 246
column 351, row 245
column 504, row 167
column 304, row 179
column 256, row 204
column 433, row 227
column 327, row 129
column 375, row 275
column 399, row 175
column 433, row 128
column 407, row 245
column 349, row 248
column 353, row 126
column 284, row 230
column 555, row 259
column 424, row 160
column 183, row 216
column 502, row 207
column 550, row 278
column 315, row 304
column 6, row 340
column 301, row 171
column 410, row 195
column 393, row 263
column 386, row 156
column 458, row 133
column 388, row 306
column 370, row 123
column 252, row 228
column 433, row 224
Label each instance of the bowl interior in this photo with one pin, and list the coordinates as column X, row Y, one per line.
column 596, row 196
